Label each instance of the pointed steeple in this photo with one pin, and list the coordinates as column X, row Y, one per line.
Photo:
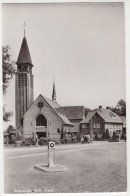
column 54, row 92
column 24, row 54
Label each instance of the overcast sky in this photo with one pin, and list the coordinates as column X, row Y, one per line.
column 82, row 45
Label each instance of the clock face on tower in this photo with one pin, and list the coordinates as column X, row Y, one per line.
column 23, row 68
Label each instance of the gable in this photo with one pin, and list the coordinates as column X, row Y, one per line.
column 88, row 118
column 97, row 117
column 49, row 104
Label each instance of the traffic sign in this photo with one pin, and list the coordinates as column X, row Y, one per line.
column 51, row 144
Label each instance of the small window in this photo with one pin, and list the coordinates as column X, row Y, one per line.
column 98, row 125
column 58, row 130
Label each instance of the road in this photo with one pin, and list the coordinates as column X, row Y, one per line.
column 36, row 151
column 97, row 167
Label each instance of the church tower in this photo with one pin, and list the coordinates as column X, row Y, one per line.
column 54, row 92
column 23, row 83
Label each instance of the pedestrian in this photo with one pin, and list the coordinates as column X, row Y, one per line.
column 92, row 138
column 119, row 136
column 82, row 140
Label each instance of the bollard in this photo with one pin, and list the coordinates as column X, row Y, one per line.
column 51, row 154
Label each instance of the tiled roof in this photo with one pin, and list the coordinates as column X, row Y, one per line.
column 51, row 103
column 123, row 118
column 106, row 114
column 54, row 105
column 72, row 112
column 24, row 54
column 88, row 118
column 65, row 119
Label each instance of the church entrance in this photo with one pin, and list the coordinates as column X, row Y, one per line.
column 41, row 134
column 41, row 126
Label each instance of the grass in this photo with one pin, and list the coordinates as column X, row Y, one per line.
column 100, row 169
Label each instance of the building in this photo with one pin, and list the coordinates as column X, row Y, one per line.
column 123, row 118
column 43, row 117
column 75, row 114
column 101, row 122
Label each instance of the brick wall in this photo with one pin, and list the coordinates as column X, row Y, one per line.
column 53, row 122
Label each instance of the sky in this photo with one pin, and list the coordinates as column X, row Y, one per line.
column 81, row 44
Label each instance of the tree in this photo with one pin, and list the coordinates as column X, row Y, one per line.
column 8, row 67
column 10, row 132
column 8, row 72
column 120, row 108
column 6, row 115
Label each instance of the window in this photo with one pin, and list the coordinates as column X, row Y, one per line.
column 41, row 120
column 40, row 104
column 83, row 126
column 58, row 130
column 97, row 125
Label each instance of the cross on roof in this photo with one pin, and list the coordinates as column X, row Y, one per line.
column 53, row 79
column 24, row 27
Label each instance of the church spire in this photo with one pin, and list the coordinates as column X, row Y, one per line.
column 54, row 91
column 24, row 54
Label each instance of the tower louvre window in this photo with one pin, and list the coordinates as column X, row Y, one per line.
column 31, row 81
column 22, row 80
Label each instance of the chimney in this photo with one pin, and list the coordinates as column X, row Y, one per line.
column 100, row 106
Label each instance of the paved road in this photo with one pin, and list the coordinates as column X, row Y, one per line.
column 34, row 151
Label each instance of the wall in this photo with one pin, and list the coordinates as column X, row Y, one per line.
column 53, row 122
column 96, row 119
column 111, row 127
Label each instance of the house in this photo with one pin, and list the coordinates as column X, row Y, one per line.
column 101, row 121
column 123, row 118
column 75, row 114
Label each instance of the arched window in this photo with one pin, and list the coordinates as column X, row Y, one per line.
column 41, row 120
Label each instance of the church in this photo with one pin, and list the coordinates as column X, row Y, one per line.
column 42, row 117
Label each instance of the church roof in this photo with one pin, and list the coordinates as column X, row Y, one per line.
column 55, row 105
column 72, row 112
column 65, row 119
column 24, row 54
column 51, row 103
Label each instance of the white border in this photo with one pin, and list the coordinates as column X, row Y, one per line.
column 127, row 46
